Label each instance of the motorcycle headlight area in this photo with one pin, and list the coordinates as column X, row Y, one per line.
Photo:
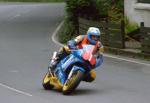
column 89, row 57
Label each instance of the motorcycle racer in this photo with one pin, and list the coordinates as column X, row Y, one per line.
column 92, row 37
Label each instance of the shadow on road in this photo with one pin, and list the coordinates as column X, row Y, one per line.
column 86, row 92
column 77, row 92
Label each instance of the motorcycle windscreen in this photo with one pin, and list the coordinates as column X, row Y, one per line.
column 88, row 54
column 89, row 48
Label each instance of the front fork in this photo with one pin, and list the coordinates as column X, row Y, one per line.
column 74, row 69
column 51, row 62
column 62, row 76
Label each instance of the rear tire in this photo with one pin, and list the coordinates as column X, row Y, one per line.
column 46, row 82
column 71, row 84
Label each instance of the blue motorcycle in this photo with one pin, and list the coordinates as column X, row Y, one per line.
column 71, row 70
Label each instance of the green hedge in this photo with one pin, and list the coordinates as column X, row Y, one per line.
column 130, row 27
column 88, row 8
column 66, row 32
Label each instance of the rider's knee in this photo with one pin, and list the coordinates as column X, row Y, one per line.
column 93, row 74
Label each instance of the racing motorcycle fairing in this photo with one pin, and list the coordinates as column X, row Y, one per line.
column 90, row 58
column 67, row 64
column 88, row 55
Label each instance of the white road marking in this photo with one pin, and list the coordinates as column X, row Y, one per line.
column 15, row 90
column 106, row 55
column 114, row 57
column 55, row 32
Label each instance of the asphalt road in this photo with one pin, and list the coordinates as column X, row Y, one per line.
column 25, row 44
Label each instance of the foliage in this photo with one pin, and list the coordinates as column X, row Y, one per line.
column 85, row 8
column 88, row 8
column 130, row 27
column 66, row 31
column 116, row 10
column 103, row 6
column 94, row 9
column 118, row 4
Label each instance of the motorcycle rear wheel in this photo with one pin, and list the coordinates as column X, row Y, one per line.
column 46, row 82
column 72, row 83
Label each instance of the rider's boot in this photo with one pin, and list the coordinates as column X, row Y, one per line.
column 90, row 77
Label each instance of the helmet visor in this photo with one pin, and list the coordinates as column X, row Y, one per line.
column 96, row 38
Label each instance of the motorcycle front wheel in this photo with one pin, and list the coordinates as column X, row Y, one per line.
column 72, row 83
column 46, row 82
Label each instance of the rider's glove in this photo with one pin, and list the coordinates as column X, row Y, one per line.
column 101, row 50
column 71, row 45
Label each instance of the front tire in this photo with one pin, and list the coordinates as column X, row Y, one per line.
column 46, row 82
column 72, row 83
